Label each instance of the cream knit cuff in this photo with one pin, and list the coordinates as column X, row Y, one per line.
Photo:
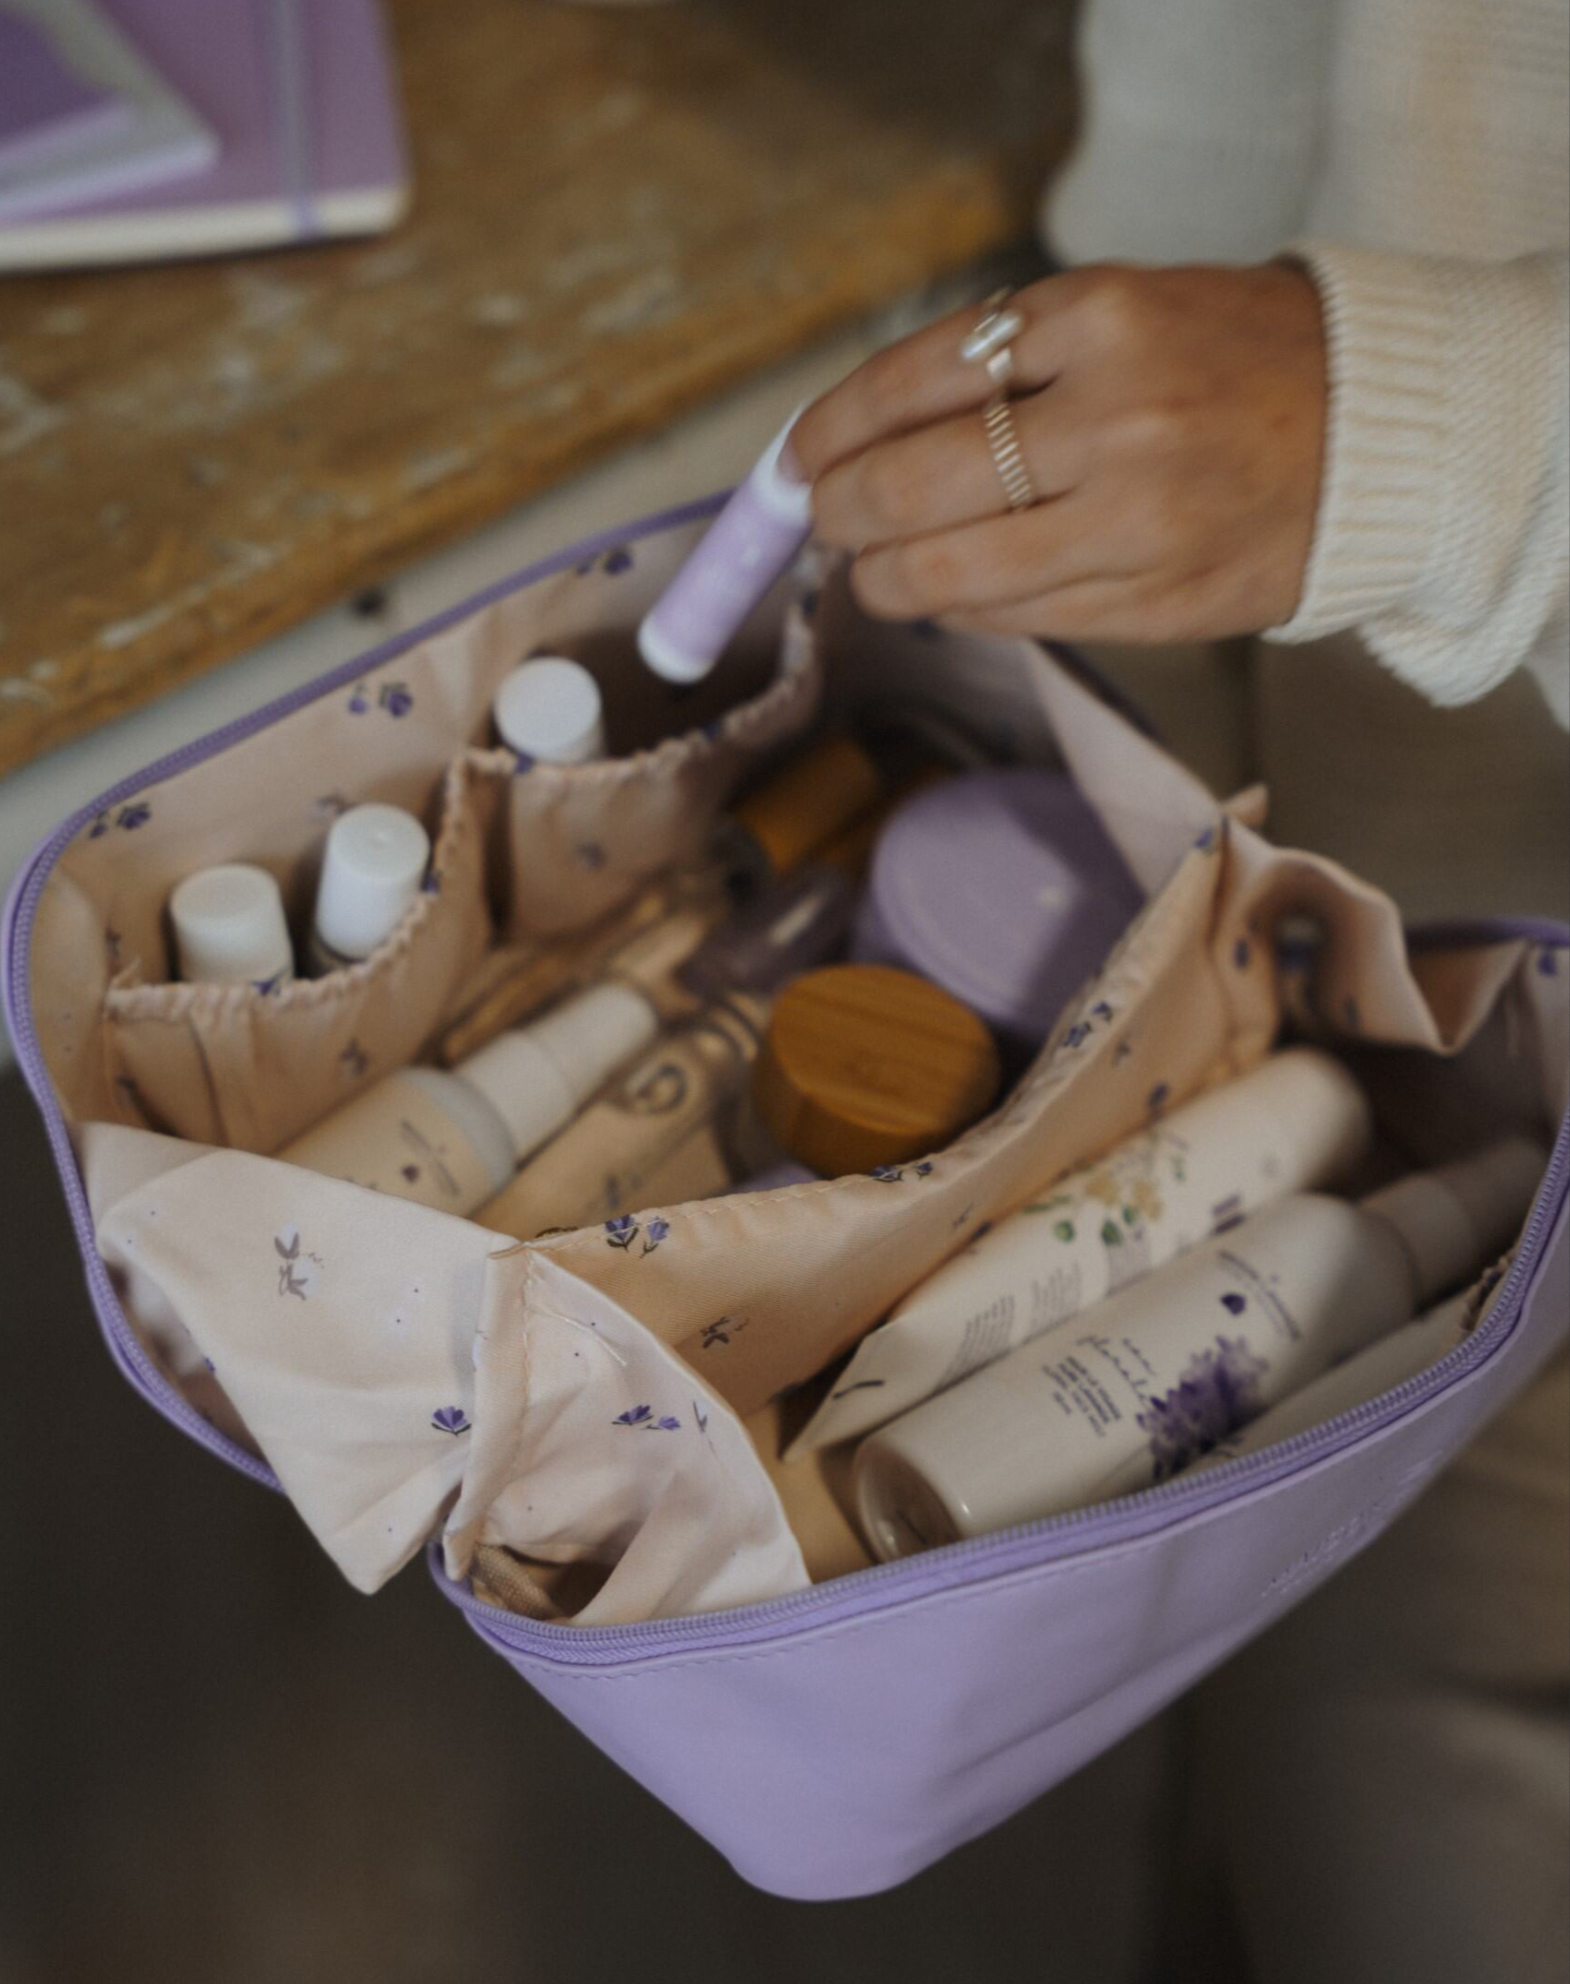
column 1387, row 328
column 1439, row 462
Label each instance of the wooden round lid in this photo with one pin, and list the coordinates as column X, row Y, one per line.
column 865, row 1066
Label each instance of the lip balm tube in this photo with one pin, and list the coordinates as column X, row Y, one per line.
column 550, row 712
column 744, row 551
column 1297, row 1121
column 1141, row 1386
column 372, row 869
column 229, row 927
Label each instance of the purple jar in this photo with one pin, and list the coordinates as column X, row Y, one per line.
column 1002, row 887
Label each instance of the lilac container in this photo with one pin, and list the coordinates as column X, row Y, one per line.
column 749, row 546
column 1003, row 888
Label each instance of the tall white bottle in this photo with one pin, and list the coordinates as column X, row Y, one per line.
column 1296, row 1122
column 453, row 1140
column 1151, row 1379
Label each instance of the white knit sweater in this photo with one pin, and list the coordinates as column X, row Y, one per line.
column 1416, row 155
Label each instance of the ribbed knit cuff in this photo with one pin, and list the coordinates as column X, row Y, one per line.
column 1387, row 324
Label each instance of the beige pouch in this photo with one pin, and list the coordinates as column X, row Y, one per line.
column 739, row 1299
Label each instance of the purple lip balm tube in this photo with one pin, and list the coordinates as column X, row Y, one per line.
column 749, row 544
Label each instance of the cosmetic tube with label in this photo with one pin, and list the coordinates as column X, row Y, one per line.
column 230, row 928
column 453, row 1139
column 373, row 868
column 613, row 1159
column 750, row 545
column 1296, row 1122
column 1145, row 1383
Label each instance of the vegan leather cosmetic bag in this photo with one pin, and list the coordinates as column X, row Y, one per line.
column 582, row 1432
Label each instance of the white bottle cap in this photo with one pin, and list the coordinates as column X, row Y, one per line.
column 229, row 926
column 550, row 711
column 1456, row 1220
column 538, row 1077
column 372, row 869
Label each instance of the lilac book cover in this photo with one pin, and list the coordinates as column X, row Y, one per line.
column 302, row 97
column 47, row 106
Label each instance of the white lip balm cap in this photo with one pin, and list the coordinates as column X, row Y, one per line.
column 537, row 1077
column 229, row 926
column 790, row 500
column 550, row 710
column 372, row 868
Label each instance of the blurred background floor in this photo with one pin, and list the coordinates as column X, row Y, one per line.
column 220, row 1765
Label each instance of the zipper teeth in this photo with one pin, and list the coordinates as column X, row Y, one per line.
column 21, row 906
column 1129, row 1516
column 910, row 1577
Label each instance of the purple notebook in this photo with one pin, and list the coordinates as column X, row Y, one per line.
column 46, row 106
column 302, row 96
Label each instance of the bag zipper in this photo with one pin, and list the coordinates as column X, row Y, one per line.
column 1029, row 1545
column 970, row 1561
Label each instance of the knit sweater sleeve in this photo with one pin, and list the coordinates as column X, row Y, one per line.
column 1443, row 533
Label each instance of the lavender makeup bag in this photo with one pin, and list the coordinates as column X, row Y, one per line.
column 830, row 1726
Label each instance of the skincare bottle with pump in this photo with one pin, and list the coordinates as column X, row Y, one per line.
column 452, row 1140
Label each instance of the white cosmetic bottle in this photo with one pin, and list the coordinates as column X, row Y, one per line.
column 230, row 928
column 453, row 1140
column 550, row 712
column 373, row 867
column 1148, row 1381
column 1296, row 1122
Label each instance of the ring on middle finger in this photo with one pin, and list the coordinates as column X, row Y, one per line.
column 991, row 343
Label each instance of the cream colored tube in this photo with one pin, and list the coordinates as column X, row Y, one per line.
column 1153, row 1378
column 1297, row 1121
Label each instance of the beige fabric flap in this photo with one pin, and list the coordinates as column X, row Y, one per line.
column 340, row 1325
column 595, row 1444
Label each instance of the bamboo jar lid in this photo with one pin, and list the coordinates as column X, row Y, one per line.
column 865, row 1066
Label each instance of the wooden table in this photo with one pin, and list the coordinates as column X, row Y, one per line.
column 617, row 213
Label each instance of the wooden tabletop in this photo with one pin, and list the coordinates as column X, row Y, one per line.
column 616, row 214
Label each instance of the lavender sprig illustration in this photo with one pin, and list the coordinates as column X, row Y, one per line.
column 642, row 1417
column 1217, row 1393
column 289, row 1283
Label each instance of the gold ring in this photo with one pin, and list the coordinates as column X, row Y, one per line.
column 997, row 416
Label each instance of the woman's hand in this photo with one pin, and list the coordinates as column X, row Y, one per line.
column 1172, row 421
